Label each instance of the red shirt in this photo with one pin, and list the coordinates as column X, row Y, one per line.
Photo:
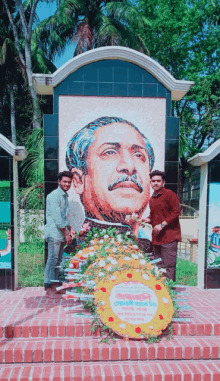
column 164, row 206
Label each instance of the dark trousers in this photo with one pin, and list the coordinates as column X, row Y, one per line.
column 168, row 254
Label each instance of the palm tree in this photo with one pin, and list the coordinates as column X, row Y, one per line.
column 91, row 24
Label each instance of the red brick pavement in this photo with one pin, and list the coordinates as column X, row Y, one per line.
column 42, row 340
column 28, row 313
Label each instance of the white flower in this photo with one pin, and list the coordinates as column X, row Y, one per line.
column 102, row 303
column 106, row 247
column 114, row 249
column 151, row 327
column 106, row 236
column 109, row 268
column 142, row 261
column 90, row 283
column 80, row 252
column 104, row 230
column 119, row 239
column 91, row 248
column 165, row 300
column 134, row 256
column 140, row 255
column 92, row 242
column 101, row 241
column 102, row 263
column 85, row 255
column 113, row 277
column 135, row 246
column 112, row 241
column 134, row 215
column 109, row 259
column 70, row 266
column 145, row 276
column 127, row 258
column 91, row 254
column 162, row 270
column 123, row 326
column 113, row 261
column 95, row 264
column 124, row 247
column 128, row 233
column 101, row 273
column 95, row 235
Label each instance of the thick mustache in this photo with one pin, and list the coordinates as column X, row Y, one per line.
column 121, row 179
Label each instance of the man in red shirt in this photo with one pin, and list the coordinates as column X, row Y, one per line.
column 164, row 218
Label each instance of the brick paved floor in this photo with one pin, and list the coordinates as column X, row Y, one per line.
column 28, row 313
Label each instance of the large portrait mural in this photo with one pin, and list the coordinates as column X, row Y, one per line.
column 5, row 225
column 213, row 246
column 111, row 145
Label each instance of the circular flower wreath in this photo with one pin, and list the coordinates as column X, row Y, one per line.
column 160, row 319
column 108, row 258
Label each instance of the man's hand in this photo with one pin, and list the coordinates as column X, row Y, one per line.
column 68, row 238
column 72, row 233
column 157, row 229
column 146, row 220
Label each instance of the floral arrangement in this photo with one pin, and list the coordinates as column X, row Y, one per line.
column 108, row 260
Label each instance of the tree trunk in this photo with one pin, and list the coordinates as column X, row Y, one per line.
column 36, row 107
column 12, row 104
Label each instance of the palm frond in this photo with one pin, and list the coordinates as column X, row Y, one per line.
column 33, row 165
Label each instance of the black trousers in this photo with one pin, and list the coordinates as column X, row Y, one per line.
column 168, row 254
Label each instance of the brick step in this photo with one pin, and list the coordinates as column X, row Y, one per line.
column 115, row 371
column 80, row 327
column 76, row 350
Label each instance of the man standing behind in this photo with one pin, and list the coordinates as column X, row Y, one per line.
column 164, row 217
column 57, row 230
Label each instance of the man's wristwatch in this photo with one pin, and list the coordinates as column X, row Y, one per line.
column 162, row 225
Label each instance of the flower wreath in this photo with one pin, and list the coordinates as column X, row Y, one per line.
column 108, row 259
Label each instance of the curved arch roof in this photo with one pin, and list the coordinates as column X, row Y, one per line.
column 46, row 82
column 202, row 158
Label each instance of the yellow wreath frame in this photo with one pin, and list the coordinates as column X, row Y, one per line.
column 160, row 320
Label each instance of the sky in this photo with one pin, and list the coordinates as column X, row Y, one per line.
column 45, row 10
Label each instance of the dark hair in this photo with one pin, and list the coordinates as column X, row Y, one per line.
column 158, row 173
column 65, row 174
column 77, row 149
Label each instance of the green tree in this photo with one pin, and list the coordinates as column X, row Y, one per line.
column 184, row 38
column 22, row 17
column 91, row 24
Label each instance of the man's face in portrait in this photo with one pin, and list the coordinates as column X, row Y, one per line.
column 117, row 182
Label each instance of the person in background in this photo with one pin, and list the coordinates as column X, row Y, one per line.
column 164, row 218
column 57, row 230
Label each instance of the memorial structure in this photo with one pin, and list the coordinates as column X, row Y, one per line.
column 209, row 212
column 9, row 156
column 111, row 124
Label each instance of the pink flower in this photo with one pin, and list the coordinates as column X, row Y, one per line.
column 85, row 228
